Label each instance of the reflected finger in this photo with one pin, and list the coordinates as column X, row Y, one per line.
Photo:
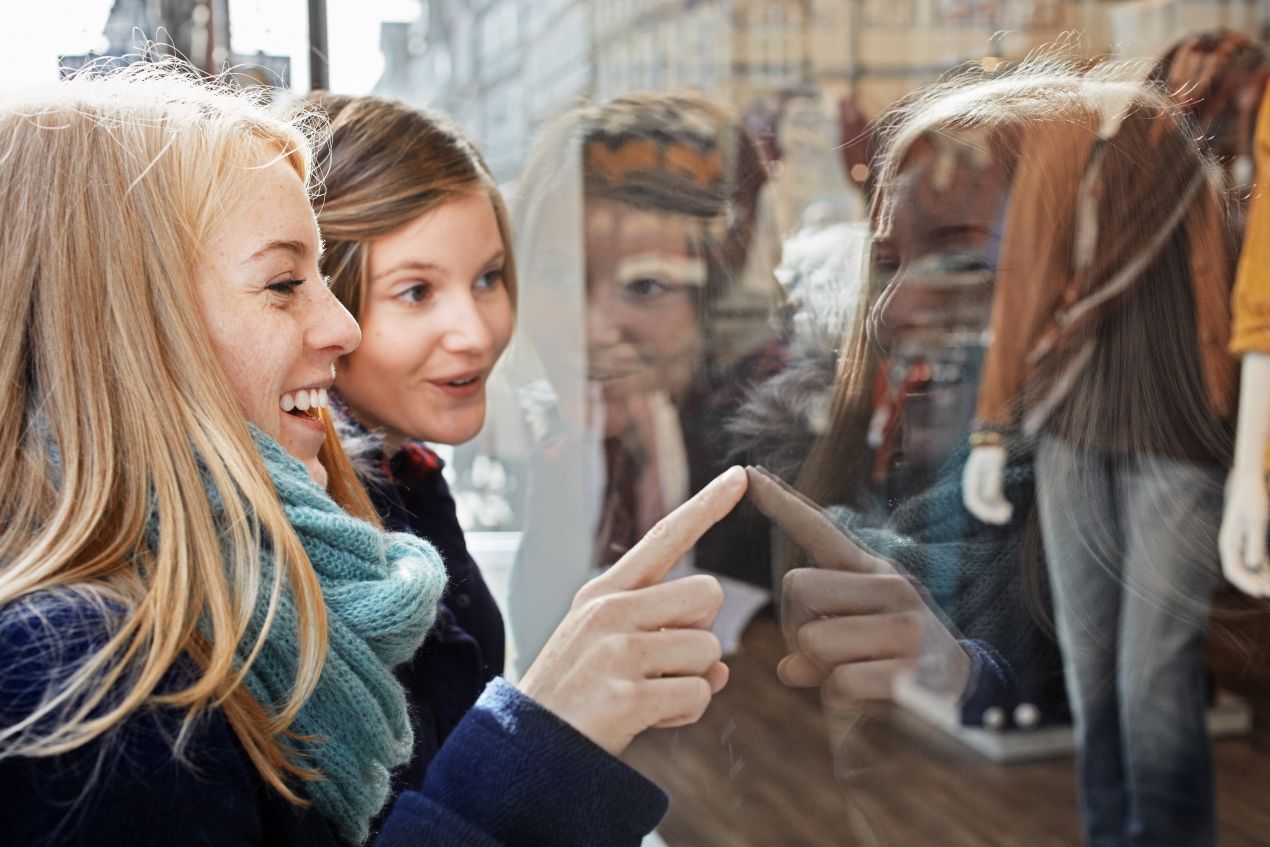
column 853, row 683
column 807, row 525
column 838, row 641
column 811, row 593
column 798, row 670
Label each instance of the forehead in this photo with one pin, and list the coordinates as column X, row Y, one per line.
column 946, row 181
column 454, row 237
column 271, row 205
column 613, row 228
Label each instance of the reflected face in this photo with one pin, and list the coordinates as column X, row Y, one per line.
column 437, row 315
column 937, row 263
column 645, row 281
column 938, row 257
column 275, row 327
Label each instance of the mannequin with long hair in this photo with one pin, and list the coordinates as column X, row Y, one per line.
column 1109, row 331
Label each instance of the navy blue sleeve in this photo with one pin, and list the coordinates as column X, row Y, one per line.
column 513, row 773
column 128, row 789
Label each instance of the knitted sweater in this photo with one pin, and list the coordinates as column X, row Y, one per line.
column 510, row 773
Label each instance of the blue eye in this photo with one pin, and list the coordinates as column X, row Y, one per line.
column 285, row 286
column 645, row 288
column 416, row 293
column 490, row 279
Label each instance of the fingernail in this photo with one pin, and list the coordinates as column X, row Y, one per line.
column 733, row 477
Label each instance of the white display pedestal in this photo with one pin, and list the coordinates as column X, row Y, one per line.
column 1230, row 716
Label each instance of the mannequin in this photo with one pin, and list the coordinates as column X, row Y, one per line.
column 1109, row 329
column 1243, row 530
column 1218, row 77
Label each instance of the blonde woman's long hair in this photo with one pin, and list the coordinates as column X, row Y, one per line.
column 116, row 410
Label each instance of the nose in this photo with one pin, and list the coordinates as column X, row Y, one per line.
column 331, row 328
column 602, row 328
column 466, row 329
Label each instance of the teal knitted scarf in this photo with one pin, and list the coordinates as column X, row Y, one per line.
column 381, row 591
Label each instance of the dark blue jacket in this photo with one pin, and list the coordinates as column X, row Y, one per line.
column 466, row 647
column 510, row 773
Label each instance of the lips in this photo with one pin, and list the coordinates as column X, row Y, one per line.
column 461, row 385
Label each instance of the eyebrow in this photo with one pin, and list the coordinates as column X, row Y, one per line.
column 298, row 249
column 497, row 256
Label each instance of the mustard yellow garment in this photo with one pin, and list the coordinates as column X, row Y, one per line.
column 1252, row 284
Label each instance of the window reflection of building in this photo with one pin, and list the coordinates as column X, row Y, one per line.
column 534, row 56
column 504, row 68
column 195, row 29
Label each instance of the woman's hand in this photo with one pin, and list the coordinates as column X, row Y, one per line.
column 634, row 652
column 854, row 624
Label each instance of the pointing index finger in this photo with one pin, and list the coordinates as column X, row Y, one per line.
column 674, row 535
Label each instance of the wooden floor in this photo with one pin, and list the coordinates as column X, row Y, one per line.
column 768, row 766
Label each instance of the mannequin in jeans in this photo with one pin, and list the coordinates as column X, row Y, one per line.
column 1109, row 334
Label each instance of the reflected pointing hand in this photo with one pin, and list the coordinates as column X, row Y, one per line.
column 856, row 623
column 635, row 652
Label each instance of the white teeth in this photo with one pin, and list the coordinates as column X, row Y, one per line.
column 305, row 399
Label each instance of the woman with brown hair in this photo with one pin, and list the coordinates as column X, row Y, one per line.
column 418, row 247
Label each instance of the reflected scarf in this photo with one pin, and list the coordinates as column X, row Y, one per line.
column 381, row 592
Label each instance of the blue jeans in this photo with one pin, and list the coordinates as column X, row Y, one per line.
column 1131, row 544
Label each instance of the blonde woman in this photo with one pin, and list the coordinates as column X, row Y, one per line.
column 196, row 642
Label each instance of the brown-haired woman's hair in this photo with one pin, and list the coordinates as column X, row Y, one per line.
column 382, row 166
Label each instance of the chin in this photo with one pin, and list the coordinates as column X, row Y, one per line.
column 318, row 471
column 454, row 432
